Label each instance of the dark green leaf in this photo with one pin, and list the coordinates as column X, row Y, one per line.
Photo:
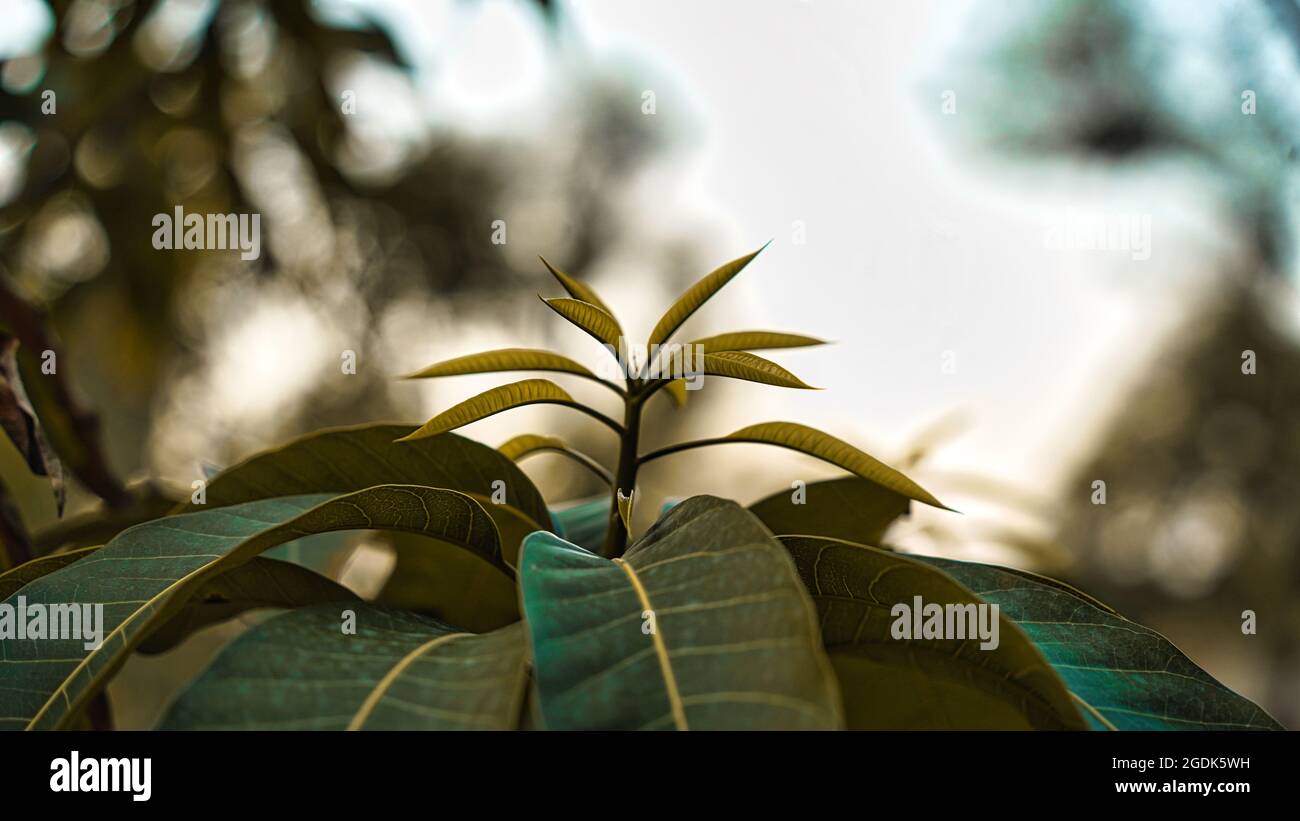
column 921, row 683
column 734, row 642
column 146, row 574
column 399, row 671
column 1125, row 676
column 848, row 508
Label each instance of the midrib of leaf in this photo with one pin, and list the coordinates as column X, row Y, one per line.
column 377, row 694
column 676, row 707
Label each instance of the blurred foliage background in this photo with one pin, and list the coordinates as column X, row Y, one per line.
column 376, row 240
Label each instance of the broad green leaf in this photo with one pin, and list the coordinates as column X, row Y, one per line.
column 436, row 578
column 702, row 624
column 400, row 671
column 1124, row 676
column 751, row 368
column 259, row 582
column 585, row 523
column 11, row 581
column 343, row 460
column 147, row 573
column 580, row 291
column 601, row 326
column 490, row 403
column 848, row 508
column 507, row 359
column 755, row 341
column 921, row 683
column 695, row 296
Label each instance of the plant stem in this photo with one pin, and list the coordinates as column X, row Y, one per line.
column 625, row 476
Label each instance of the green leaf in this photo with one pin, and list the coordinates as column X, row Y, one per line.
column 695, row 296
column 436, row 578
column 813, row 442
column 678, row 392
column 146, row 574
column 259, row 582
column 400, row 671
column 755, row 341
column 921, row 683
column 528, row 444
column 584, row 524
column 751, row 368
column 580, row 291
column 601, row 326
column 11, row 581
column 343, row 460
column 506, row 359
column 734, row 642
column 848, row 508
column 494, row 401
column 1125, row 676
column 444, row 581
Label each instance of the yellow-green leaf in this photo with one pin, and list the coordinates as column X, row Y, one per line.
column 580, row 291
column 490, row 403
column 506, row 359
column 677, row 391
column 529, row 443
column 596, row 322
column 695, row 296
column 755, row 341
column 751, row 368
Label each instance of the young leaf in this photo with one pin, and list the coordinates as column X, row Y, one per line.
column 848, row 508
column 821, row 445
column 1124, row 676
column 400, row 671
column 580, row 291
column 755, row 341
column 695, row 296
column 601, row 326
column 702, row 624
column 678, row 391
column 45, row 681
column 496, row 400
column 506, row 359
column 529, row 443
column 751, row 368
column 921, row 683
